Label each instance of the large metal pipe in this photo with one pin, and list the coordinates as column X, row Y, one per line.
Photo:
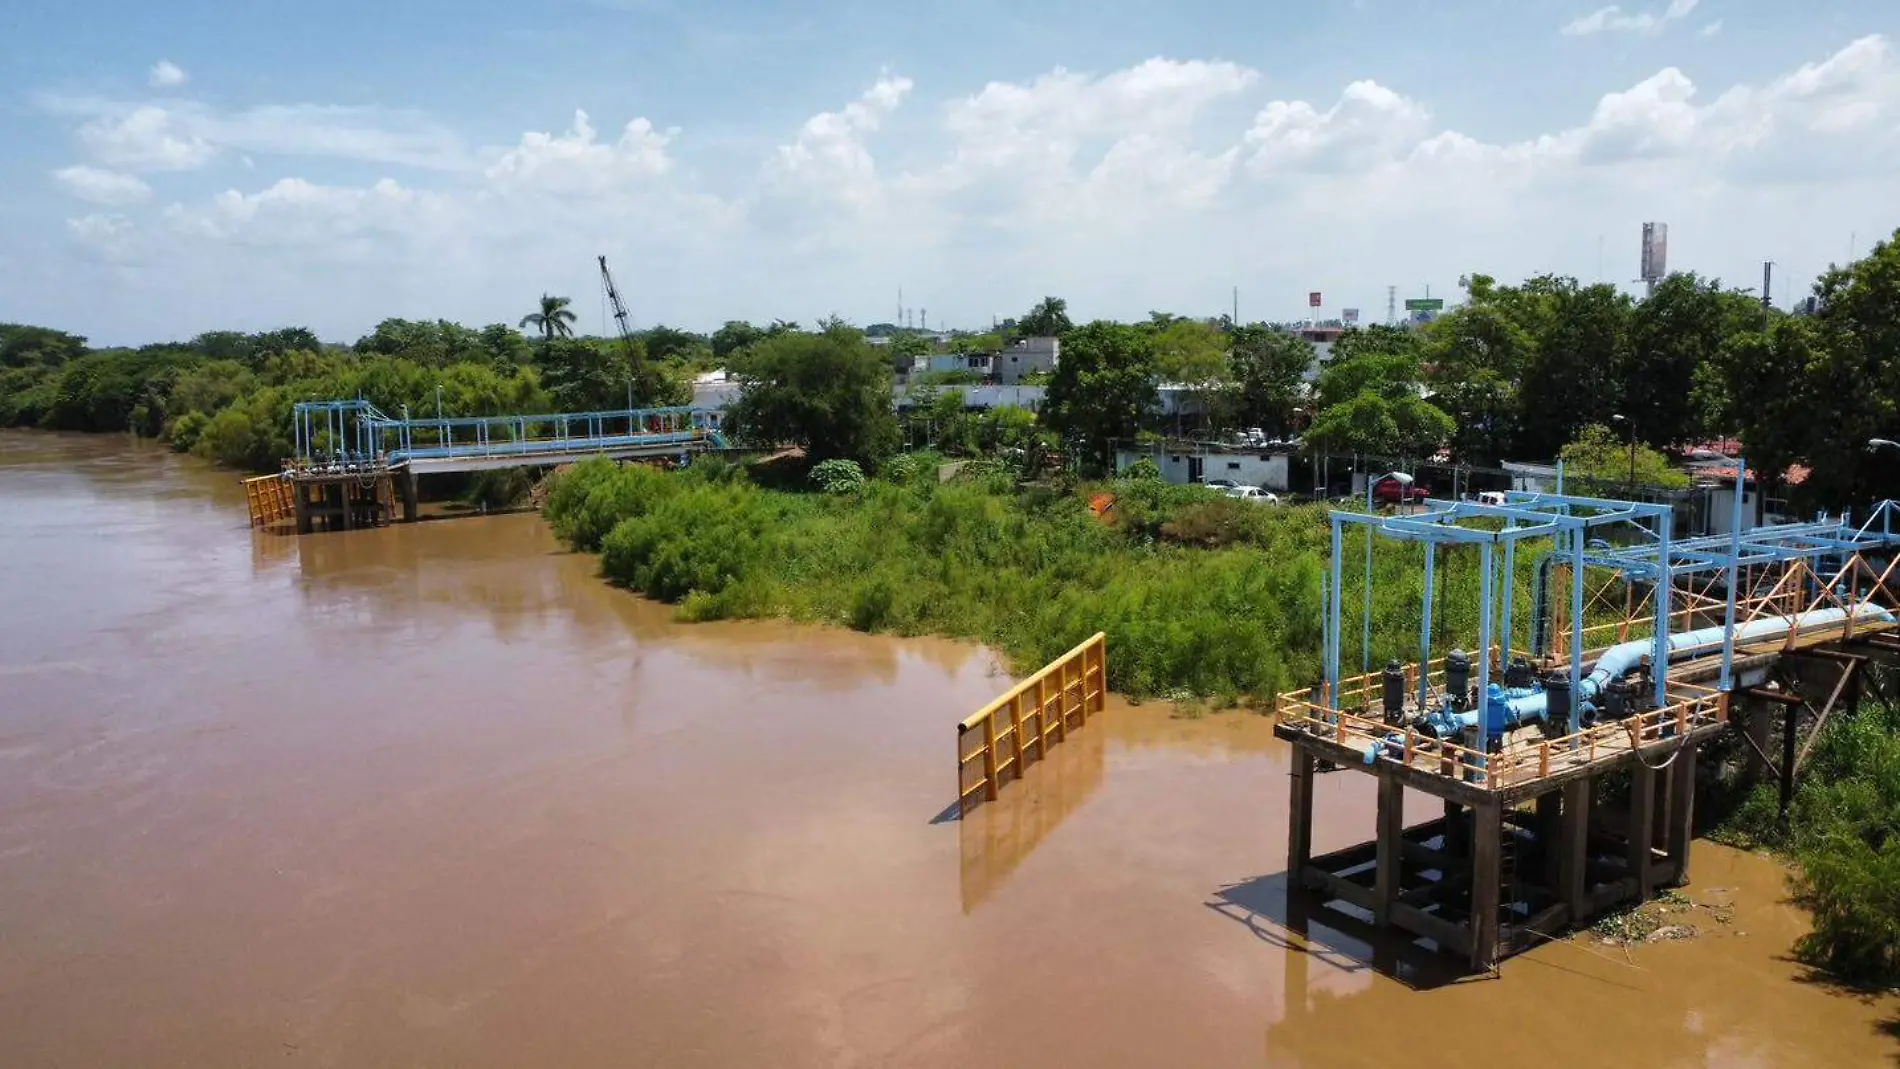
column 1503, row 709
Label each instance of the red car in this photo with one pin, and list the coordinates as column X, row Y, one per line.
column 1398, row 489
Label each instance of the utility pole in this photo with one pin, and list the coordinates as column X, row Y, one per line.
column 1236, row 317
column 1767, row 281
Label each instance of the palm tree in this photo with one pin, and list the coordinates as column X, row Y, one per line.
column 553, row 318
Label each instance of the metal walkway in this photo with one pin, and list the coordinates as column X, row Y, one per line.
column 346, row 436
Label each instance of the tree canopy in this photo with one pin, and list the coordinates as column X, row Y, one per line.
column 1371, row 397
column 828, row 392
column 1049, row 318
column 1103, row 386
column 554, row 320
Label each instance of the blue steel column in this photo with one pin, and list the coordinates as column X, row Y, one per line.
column 1425, row 625
column 1484, row 643
column 1332, row 617
column 1734, row 556
column 1365, row 630
column 1665, row 591
column 1510, row 577
column 1576, row 628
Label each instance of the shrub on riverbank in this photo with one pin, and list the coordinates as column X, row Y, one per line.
column 1843, row 833
column 1197, row 593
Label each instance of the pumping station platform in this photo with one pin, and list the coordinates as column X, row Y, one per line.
column 356, row 467
column 1584, row 667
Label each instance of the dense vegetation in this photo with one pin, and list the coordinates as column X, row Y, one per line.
column 1844, row 830
column 228, row 396
column 1199, row 594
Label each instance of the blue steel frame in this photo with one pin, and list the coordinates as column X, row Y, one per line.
column 355, row 432
column 1654, row 558
column 1567, row 519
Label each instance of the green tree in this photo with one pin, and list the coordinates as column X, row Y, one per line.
column 1677, row 330
column 1371, row 399
column 1103, row 387
column 736, row 335
column 26, row 346
column 505, row 347
column 583, row 376
column 1581, row 335
column 905, row 347
column 1476, row 355
column 828, row 392
column 553, row 320
column 1602, row 457
column 1048, row 319
column 1269, row 368
column 666, row 343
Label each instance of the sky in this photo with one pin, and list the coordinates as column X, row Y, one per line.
column 189, row 166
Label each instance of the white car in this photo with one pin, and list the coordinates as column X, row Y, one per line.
column 1251, row 493
column 1223, row 485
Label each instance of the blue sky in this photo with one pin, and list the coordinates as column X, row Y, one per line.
column 330, row 165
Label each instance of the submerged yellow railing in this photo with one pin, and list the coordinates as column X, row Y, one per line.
column 994, row 742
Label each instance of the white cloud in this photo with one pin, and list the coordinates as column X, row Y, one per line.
column 145, row 138
column 102, row 186
column 1369, row 126
column 165, row 75
column 831, row 150
column 1613, row 19
column 1153, row 186
column 578, row 160
column 186, row 135
column 1711, row 29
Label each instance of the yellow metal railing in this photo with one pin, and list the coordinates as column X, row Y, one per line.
column 994, row 743
column 269, row 499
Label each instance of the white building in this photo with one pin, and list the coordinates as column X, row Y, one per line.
column 1025, row 356
column 1199, row 462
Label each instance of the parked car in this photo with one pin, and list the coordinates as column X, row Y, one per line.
column 1251, row 493
column 1398, row 488
column 1491, row 497
column 1223, row 485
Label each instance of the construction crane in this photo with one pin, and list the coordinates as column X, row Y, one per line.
column 626, row 328
column 644, row 382
column 620, row 308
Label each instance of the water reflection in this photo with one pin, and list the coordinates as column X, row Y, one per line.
column 475, row 567
column 996, row 837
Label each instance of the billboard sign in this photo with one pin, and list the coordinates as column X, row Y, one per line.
column 1655, row 251
column 1349, row 316
column 1424, row 304
column 1312, row 299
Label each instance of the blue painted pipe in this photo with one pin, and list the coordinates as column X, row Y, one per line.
column 1504, row 710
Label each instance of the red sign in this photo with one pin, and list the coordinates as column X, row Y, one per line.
column 1313, row 298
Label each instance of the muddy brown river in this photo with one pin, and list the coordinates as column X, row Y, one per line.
column 436, row 796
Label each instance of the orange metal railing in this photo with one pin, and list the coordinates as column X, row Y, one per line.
column 269, row 499
column 994, row 743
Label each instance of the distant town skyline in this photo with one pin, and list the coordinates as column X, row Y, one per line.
column 197, row 166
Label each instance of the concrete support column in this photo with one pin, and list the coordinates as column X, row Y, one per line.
column 1682, row 816
column 1642, row 815
column 1573, row 850
column 1487, row 833
column 1299, row 835
column 1390, row 847
column 409, row 495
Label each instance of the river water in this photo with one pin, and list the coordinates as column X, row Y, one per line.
column 435, row 795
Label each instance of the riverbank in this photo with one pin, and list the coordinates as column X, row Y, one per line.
column 435, row 794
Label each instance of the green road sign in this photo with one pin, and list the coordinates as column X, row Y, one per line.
column 1424, row 304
